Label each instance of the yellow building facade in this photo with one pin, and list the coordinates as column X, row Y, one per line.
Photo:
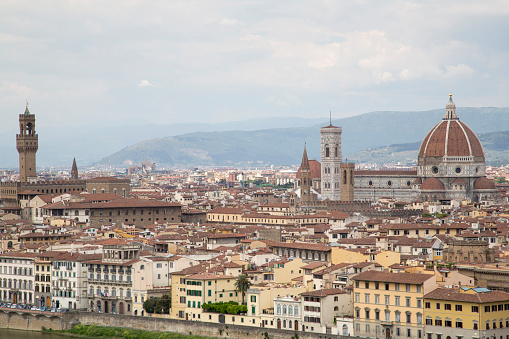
column 466, row 313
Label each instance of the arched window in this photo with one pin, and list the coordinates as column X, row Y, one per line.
column 296, row 310
column 290, row 311
column 336, row 308
column 284, row 309
column 327, row 151
column 278, row 309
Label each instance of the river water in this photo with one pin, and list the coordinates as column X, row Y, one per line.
column 17, row 334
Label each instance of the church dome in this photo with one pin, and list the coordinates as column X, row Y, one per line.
column 484, row 183
column 432, row 184
column 451, row 138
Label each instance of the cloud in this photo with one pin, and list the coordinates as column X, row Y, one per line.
column 236, row 55
column 460, row 70
column 145, row 83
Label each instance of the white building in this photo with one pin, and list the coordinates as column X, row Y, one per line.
column 17, row 278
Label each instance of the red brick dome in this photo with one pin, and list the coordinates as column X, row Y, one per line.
column 432, row 184
column 451, row 137
column 484, row 183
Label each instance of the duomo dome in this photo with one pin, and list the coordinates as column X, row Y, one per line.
column 451, row 149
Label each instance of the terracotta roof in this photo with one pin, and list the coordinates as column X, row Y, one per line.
column 405, row 278
column 302, row 245
column 484, row 184
column 324, row 292
column 457, row 294
column 315, row 168
column 451, row 138
column 432, row 184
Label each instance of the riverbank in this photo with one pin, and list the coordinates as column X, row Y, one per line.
column 94, row 331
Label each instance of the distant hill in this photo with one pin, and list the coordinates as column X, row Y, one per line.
column 495, row 146
column 283, row 146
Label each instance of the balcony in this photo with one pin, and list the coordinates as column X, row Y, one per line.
column 128, row 271
column 98, row 269
column 113, row 271
column 387, row 323
column 105, row 270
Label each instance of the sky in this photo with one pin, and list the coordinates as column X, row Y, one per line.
column 131, row 62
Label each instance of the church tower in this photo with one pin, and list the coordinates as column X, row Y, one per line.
column 74, row 170
column 27, row 143
column 305, row 180
column 331, row 162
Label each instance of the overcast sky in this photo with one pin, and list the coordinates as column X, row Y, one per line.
column 133, row 62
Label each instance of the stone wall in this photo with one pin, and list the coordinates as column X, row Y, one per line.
column 196, row 328
column 35, row 321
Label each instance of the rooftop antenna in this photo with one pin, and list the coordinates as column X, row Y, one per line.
column 330, row 117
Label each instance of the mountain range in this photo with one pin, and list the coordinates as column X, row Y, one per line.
column 361, row 135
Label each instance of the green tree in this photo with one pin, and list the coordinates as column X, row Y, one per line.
column 149, row 305
column 500, row 180
column 242, row 284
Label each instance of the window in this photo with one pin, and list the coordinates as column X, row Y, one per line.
column 438, row 306
column 487, row 309
column 459, row 308
column 447, row 307
column 408, row 318
column 377, row 299
column 429, row 321
column 438, row 322
column 419, row 318
column 386, row 287
column 387, row 300
column 396, row 287
column 357, row 284
column 366, row 284
column 377, row 286
column 398, row 317
column 407, row 287
column 407, row 302
column 397, row 301
column 427, row 304
column 408, row 332
column 367, row 314
column 357, row 298
column 419, row 303
column 459, row 324
column 448, row 323
column 366, row 298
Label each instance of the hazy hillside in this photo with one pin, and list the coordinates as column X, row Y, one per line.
column 280, row 146
column 495, row 146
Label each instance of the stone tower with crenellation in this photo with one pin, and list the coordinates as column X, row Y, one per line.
column 27, row 143
column 331, row 162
